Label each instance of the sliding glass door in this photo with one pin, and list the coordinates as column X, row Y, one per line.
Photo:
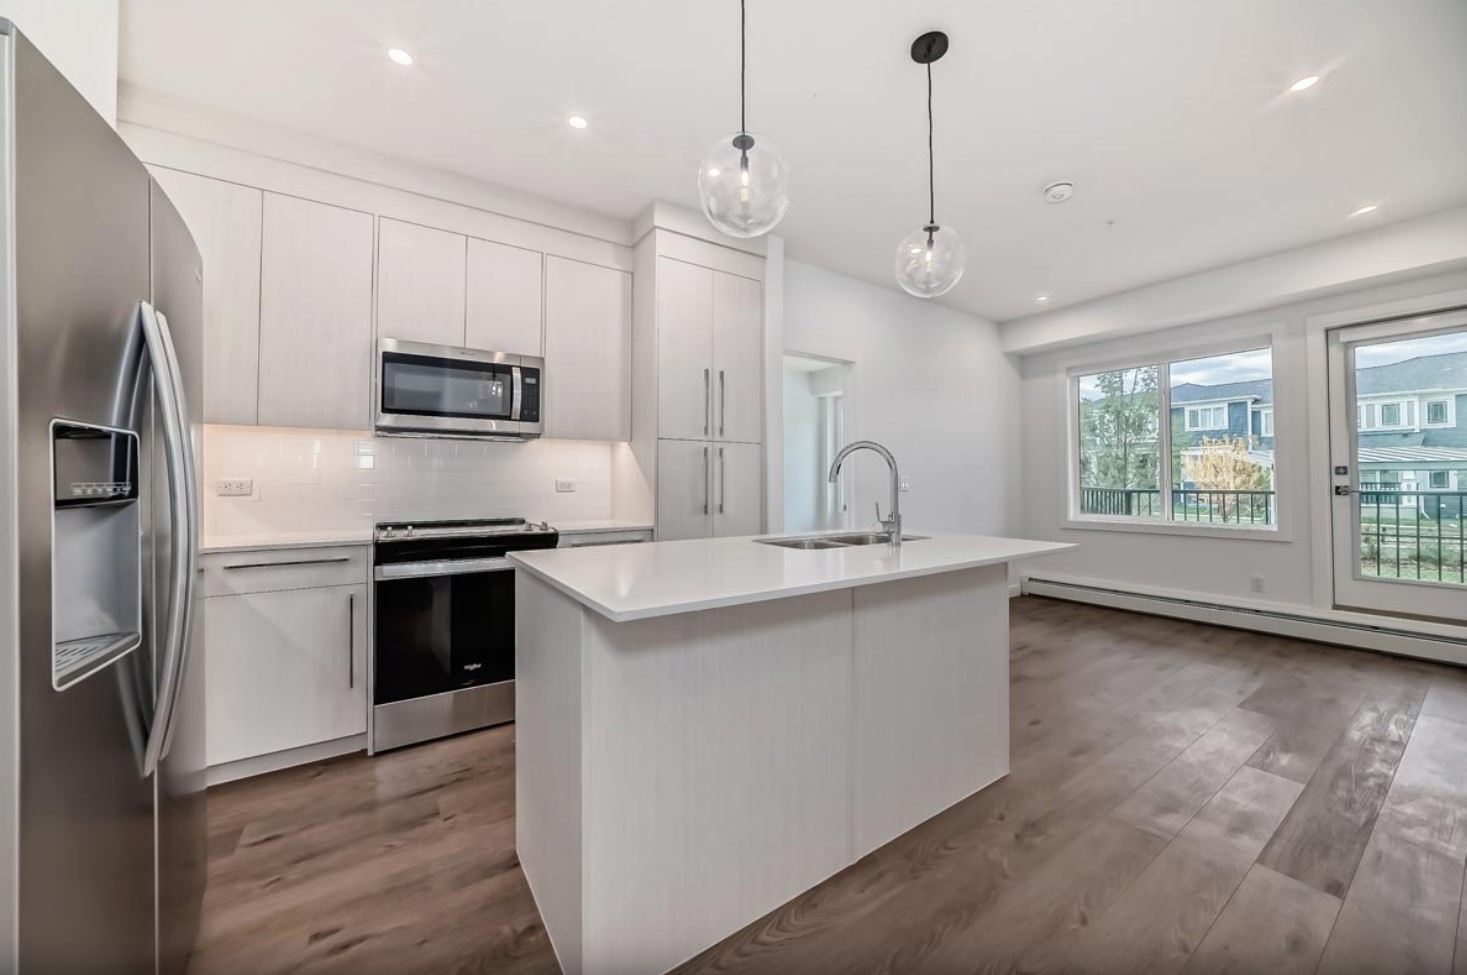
column 1398, row 452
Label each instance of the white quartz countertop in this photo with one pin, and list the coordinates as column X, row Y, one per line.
column 632, row 582
column 289, row 539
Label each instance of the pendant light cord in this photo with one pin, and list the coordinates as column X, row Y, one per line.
column 931, row 190
column 743, row 58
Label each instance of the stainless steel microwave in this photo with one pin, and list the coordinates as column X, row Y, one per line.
column 443, row 391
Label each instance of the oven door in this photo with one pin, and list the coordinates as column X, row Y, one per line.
column 442, row 627
column 439, row 389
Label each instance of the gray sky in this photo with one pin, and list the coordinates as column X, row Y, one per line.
column 1389, row 352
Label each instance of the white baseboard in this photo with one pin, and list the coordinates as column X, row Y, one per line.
column 291, row 757
column 1383, row 634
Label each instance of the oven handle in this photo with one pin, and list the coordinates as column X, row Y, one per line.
column 445, row 567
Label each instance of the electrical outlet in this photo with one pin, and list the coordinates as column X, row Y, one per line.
column 234, row 487
column 1256, row 583
column 904, row 483
column 565, row 485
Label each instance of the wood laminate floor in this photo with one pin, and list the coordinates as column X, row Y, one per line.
column 1183, row 799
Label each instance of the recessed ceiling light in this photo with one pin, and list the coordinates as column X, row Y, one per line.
column 1059, row 192
column 400, row 56
column 1362, row 211
column 578, row 121
column 1041, row 299
column 1305, row 83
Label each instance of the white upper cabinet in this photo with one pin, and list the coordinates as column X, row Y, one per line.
column 738, row 359
column 420, row 284
column 710, row 368
column 505, row 298
column 684, row 350
column 588, row 351
column 224, row 219
column 315, row 315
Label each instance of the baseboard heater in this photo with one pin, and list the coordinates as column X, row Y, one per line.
column 1382, row 637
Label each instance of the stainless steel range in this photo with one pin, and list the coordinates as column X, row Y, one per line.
column 444, row 642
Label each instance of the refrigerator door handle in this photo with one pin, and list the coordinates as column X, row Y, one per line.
column 183, row 522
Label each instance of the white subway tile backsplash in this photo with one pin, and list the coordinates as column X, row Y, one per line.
column 326, row 480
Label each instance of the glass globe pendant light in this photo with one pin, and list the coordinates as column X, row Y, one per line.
column 932, row 258
column 744, row 182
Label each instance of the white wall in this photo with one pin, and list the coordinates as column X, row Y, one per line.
column 80, row 38
column 1295, row 567
column 931, row 383
column 1377, row 257
column 340, row 480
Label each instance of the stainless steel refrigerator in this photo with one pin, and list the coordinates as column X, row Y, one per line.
column 102, row 831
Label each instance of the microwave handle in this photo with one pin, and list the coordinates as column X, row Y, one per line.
column 517, row 383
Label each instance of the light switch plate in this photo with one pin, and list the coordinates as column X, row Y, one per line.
column 565, row 485
column 234, row 487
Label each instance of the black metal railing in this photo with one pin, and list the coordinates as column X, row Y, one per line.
column 1419, row 535
column 1192, row 505
column 1129, row 502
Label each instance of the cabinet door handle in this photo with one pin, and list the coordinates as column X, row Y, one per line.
column 707, row 400
column 351, row 639
column 277, row 565
column 722, row 479
column 722, row 402
column 705, row 480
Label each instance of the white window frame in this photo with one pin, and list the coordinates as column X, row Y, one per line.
column 1431, row 480
column 1219, row 408
column 1449, row 402
column 1279, row 531
column 1265, row 422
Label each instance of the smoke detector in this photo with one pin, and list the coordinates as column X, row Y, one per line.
column 1059, row 192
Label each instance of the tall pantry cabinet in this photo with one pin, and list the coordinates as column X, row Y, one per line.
column 701, row 325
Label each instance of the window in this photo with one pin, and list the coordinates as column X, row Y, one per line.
column 1119, row 460
column 1207, row 417
column 1158, row 442
column 1390, row 414
column 1438, row 413
column 1440, row 480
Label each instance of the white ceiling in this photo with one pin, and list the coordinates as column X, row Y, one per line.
column 1170, row 117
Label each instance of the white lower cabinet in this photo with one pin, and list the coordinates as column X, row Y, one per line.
column 707, row 489
column 286, row 669
column 738, row 506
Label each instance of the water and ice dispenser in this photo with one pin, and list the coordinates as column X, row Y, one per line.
column 97, row 553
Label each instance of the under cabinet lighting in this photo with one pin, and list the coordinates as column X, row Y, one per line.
column 400, row 56
column 1362, row 211
column 1305, row 83
column 578, row 121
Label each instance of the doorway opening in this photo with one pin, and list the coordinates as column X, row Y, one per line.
column 816, row 406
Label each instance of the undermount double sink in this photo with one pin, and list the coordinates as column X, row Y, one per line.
column 820, row 543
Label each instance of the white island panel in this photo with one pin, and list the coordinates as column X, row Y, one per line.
column 681, row 774
column 931, row 666
column 718, row 770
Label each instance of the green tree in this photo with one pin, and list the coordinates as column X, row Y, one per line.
column 1118, row 430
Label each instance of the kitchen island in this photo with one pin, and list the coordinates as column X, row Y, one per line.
column 707, row 728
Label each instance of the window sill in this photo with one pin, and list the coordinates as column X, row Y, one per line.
column 1192, row 529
